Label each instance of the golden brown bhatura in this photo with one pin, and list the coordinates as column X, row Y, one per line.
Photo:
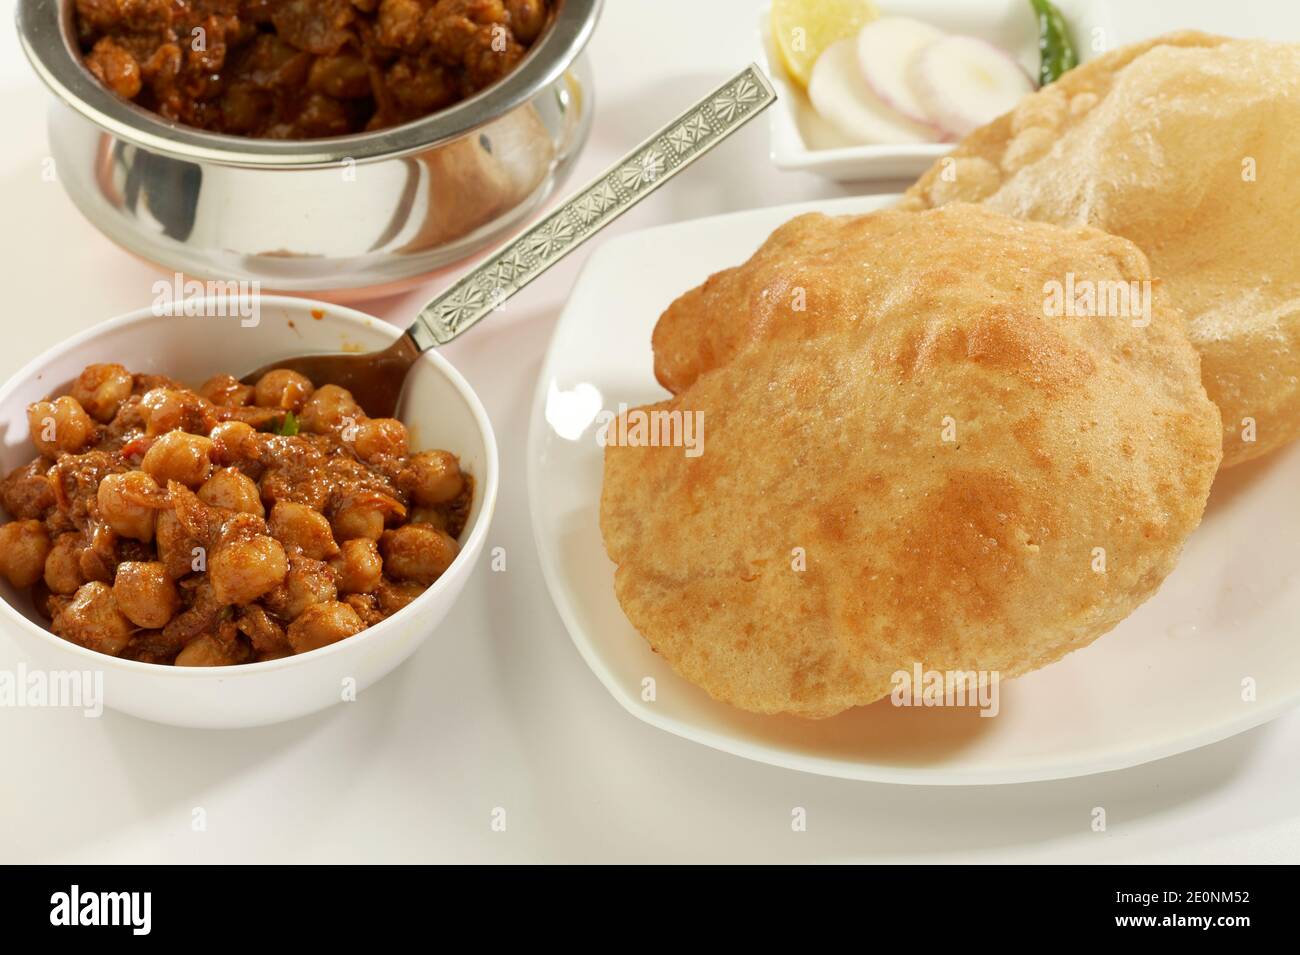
column 1185, row 144
column 905, row 460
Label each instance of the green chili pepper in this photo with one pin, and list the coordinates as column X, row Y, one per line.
column 289, row 426
column 1054, row 45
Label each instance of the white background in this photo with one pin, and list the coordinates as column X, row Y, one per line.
column 497, row 710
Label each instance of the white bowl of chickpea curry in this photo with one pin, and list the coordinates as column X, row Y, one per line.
column 233, row 555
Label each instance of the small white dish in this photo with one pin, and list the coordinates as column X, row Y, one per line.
column 1170, row 678
column 440, row 411
column 804, row 142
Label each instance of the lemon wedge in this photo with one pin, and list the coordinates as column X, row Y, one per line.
column 803, row 29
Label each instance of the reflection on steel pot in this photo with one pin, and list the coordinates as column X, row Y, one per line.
column 346, row 213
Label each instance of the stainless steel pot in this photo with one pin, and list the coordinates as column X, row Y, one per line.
column 348, row 213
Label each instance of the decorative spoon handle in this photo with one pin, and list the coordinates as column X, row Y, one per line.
column 639, row 173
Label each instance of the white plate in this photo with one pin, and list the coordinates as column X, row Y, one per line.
column 1166, row 680
column 803, row 141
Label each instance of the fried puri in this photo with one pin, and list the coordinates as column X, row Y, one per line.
column 1184, row 144
column 904, row 460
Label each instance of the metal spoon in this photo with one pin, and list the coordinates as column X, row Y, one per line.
column 375, row 379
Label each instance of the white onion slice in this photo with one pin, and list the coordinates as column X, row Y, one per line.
column 963, row 82
column 842, row 97
column 886, row 48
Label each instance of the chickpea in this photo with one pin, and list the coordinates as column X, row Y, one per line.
column 364, row 514
column 366, row 606
column 123, row 504
column 97, row 559
column 93, row 620
column 233, row 441
column 282, row 388
column 225, row 391
column 341, row 75
column 63, row 565
column 323, row 624
column 358, row 520
column 171, row 409
column 145, row 594
column 527, row 17
column 24, row 545
column 178, row 456
column 209, row 650
column 297, row 526
column 435, row 477
column 27, row 492
column 398, row 23
column 418, row 552
column 308, row 582
column 59, row 425
column 380, row 437
column 240, row 527
column 429, row 515
column 358, row 569
column 396, row 596
column 244, row 570
column 101, row 389
column 329, row 409
column 234, row 490
column 202, row 651
column 114, row 66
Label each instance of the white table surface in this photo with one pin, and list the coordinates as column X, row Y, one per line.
column 498, row 710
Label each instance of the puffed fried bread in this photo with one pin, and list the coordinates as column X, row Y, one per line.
column 918, row 465
column 1186, row 145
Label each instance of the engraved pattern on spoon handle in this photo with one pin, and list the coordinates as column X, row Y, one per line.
column 642, row 171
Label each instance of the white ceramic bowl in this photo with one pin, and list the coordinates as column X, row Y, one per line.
column 440, row 411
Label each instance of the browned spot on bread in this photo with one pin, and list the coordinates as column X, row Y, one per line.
column 1026, row 348
column 833, row 522
column 952, row 558
column 1028, row 432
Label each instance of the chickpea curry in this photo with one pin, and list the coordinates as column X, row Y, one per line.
column 232, row 524
column 300, row 69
